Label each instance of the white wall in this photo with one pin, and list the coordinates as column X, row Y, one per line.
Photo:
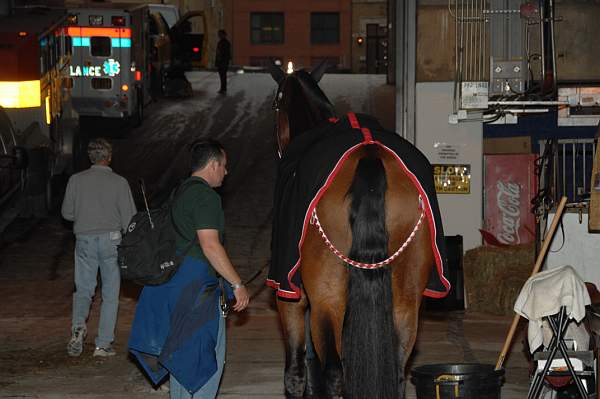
column 576, row 247
column 461, row 213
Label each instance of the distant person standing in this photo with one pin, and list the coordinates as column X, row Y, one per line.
column 100, row 204
column 222, row 59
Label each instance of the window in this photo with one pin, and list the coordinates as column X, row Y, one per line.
column 264, row 62
column 68, row 45
column 324, row 28
column 101, row 83
column 266, row 27
column 100, row 46
column 332, row 62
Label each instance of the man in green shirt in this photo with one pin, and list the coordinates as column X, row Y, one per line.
column 179, row 323
column 199, row 213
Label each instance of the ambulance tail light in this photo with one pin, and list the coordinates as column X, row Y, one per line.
column 117, row 20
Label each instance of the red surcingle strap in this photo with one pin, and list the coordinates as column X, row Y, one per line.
column 353, row 120
column 368, row 137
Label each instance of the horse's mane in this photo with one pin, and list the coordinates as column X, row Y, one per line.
column 304, row 102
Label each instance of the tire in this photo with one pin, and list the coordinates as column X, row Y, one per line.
column 50, row 193
column 79, row 157
column 138, row 117
column 36, row 188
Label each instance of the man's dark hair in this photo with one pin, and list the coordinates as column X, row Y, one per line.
column 204, row 151
column 222, row 32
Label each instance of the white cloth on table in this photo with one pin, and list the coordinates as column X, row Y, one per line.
column 545, row 293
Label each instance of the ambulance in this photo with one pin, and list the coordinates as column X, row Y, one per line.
column 108, row 62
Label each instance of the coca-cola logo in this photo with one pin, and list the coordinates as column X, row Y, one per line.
column 508, row 200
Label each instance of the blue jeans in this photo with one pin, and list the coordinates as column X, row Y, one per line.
column 93, row 252
column 209, row 390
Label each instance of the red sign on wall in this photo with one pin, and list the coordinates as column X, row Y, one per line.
column 509, row 186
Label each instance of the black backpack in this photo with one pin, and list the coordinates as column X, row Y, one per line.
column 147, row 253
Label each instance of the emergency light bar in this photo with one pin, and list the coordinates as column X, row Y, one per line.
column 108, row 32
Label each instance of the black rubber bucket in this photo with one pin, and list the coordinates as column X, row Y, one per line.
column 449, row 381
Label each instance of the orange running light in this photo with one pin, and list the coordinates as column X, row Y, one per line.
column 124, row 87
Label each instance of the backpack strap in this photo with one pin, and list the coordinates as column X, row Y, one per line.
column 174, row 197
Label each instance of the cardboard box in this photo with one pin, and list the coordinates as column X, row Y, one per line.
column 507, row 145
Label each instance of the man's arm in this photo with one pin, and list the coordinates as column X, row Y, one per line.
column 215, row 252
column 68, row 205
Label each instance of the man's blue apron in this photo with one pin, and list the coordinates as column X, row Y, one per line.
column 176, row 326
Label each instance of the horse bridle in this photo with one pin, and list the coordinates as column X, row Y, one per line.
column 276, row 107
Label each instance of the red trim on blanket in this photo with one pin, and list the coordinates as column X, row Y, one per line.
column 296, row 293
column 367, row 135
column 353, row 120
column 432, row 228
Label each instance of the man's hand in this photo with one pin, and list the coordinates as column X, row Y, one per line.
column 241, row 298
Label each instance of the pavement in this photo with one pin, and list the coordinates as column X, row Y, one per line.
column 36, row 264
column 35, row 319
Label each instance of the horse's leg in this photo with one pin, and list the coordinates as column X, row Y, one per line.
column 324, row 280
column 326, row 336
column 313, row 365
column 406, row 321
column 292, row 321
column 409, row 282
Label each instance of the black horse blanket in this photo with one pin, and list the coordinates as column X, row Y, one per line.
column 310, row 163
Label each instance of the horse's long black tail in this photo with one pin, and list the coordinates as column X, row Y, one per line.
column 368, row 337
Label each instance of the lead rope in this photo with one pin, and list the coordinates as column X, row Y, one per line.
column 314, row 220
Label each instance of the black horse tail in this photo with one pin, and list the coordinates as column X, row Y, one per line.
column 368, row 336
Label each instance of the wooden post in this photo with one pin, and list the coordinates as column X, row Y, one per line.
column 536, row 268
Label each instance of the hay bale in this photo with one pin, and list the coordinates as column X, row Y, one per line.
column 494, row 276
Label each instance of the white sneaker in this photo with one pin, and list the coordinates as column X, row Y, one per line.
column 104, row 352
column 75, row 345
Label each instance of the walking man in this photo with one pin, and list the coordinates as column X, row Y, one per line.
column 222, row 59
column 100, row 204
column 179, row 328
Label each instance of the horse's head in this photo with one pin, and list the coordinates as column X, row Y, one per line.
column 300, row 103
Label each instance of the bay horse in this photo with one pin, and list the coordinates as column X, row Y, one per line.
column 362, row 320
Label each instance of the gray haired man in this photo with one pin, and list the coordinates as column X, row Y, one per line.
column 100, row 204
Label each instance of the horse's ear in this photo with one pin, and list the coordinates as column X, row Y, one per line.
column 276, row 72
column 318, row 71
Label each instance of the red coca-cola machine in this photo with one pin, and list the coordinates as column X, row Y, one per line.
column 509, row 185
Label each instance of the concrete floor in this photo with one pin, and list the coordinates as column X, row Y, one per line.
column 255, row 355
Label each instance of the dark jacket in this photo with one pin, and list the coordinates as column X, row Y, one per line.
column 223, row 56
